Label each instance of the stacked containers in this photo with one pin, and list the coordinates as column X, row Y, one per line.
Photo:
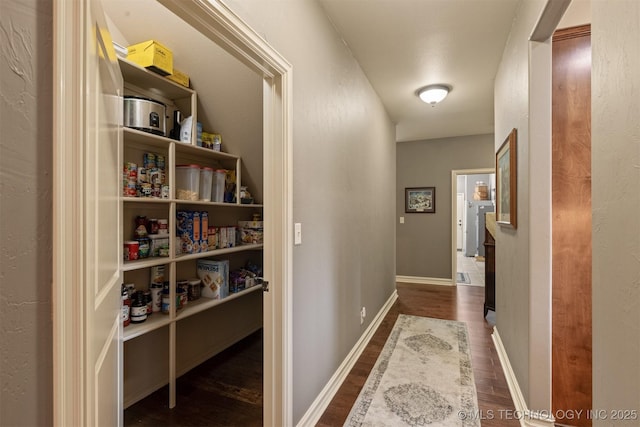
column 219, row 180
column 206, row 181
column 188, row 182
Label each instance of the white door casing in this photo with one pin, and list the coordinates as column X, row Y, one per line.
column 454, row 218
column 460, row 222
column 87, row 241
column 77, row 389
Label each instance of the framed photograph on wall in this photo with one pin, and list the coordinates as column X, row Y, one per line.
column 420, row 200
column 506, row 182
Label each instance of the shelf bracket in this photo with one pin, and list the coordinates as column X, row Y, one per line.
column 264, row 283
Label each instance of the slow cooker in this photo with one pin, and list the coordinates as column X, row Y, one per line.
column 145, row 114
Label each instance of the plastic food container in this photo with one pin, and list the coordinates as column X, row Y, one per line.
column 206, row 180
column 217, row 190
column 188, row 182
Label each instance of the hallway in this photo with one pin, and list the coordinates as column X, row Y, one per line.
column 463, row 303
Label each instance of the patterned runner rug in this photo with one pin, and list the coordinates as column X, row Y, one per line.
column 422, row 377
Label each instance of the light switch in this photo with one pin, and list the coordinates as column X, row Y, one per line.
column 297, row 234
column 401, row 220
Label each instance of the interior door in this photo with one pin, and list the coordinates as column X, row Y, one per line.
column 86, row 218
column 102, row 222
column 103, row 241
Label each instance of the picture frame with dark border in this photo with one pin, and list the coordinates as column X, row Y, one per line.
column 420, row 200
column 507, row 181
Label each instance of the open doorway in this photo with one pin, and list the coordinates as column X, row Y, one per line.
column 473, row 195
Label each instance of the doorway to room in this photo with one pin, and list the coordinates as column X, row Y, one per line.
column 473, row 195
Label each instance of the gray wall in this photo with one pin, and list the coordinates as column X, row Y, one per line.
column 615, row 142
column 424, row 240
column 26, row 374
column 512, row 246
column 344, row 190
column 522, row 298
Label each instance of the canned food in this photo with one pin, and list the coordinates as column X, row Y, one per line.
column 144, row 245
column 194, row 291
column 131, row 250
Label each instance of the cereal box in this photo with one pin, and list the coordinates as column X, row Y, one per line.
column 188, row 231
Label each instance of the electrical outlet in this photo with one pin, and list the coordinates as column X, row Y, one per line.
column 363, row 314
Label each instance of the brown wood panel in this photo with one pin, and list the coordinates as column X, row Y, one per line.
column 571, row 223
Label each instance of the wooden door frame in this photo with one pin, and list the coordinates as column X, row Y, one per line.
column 454, row 208
column 225, row 28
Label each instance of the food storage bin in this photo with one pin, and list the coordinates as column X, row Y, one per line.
column 188, row 182
column 206, row 180
column 217, row 190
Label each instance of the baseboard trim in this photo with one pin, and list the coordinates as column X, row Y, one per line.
column 526, row 417
column 425, row 280
column 321, row 402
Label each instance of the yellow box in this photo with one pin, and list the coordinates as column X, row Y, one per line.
column 152, row 55
column 179, row 77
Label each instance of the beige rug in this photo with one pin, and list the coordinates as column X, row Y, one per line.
column 422, row 377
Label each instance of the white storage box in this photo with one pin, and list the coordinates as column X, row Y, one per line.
column 215, row 278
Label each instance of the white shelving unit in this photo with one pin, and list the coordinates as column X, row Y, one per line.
column 140, row 82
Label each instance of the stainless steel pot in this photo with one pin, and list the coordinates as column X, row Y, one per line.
column 145, row 114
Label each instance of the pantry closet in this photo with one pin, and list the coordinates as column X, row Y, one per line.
column 239, row 90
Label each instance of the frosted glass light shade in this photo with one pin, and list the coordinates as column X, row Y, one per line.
column 433, row 94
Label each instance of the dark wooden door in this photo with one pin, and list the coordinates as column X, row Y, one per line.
column 571, row 236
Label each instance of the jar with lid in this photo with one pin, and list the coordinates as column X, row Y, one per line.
column 138, row 308
column 141, row 227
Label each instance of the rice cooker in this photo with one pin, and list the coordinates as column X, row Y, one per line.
column 145, row 114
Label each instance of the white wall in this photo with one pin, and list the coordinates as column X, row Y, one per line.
column 26, row 375
column 615, row 155
column 344, row 190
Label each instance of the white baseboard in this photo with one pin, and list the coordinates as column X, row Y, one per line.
column 321, row 402
column 425, row 280
column 526, row 417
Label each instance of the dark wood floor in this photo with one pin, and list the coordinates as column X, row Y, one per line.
column 227, row 389
column 463, row 303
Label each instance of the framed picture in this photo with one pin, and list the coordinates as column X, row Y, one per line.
column 420, row 200
column 506, row 182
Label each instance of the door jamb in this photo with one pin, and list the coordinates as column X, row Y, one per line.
column 225, row 28
column 454, row 208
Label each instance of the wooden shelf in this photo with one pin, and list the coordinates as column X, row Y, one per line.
column 202, row 304
column 217, row 252
column 145, row 263
column 146, row 140
column 216, row 204
column 136, row 75
column 156, row 321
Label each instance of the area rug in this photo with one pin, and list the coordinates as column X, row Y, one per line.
column 422, row 377
column 463, row 278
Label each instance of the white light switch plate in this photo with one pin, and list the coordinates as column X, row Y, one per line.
column 401, row 220
column 297, row 233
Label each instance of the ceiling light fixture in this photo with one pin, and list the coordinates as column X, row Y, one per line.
column 433, row 94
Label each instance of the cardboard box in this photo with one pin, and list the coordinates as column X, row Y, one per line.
column 179, row 77
column 215, row 278
column 251, row 232
column 188, row 231
column 152, row 55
